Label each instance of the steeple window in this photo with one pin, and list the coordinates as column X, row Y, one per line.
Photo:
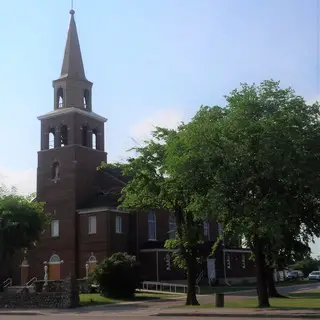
column 55, row 174
column 60, row 103
column 86, row 99
column 51, row 138
column 94, row 139
column 63, row 136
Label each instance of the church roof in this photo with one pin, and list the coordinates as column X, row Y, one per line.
column 72, row 66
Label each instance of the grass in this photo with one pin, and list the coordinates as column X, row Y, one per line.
column 305, row 300
column 243, row 287
column 90, row 299
column 223, row 289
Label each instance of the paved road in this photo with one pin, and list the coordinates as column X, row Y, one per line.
column 282, row 290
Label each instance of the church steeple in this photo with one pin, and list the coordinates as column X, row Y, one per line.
column 72, row 66
column 72, row 89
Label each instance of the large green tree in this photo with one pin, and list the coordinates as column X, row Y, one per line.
column 254, row 166
column 21, row 223
column 152, row 187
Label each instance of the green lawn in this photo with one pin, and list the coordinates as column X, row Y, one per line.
column 239, row 287
column 223, row 289
column 305, row 300
column 97, row 299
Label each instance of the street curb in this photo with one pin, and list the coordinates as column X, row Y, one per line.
column 239, row 315
column 21, row 313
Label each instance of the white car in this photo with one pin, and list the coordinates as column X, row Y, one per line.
column 314, row 275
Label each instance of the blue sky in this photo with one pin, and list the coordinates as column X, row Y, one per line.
column 152, row 62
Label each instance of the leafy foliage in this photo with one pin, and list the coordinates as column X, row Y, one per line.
column 253, row 165
column 21, row 223
column 153, row 187
column 117, row 276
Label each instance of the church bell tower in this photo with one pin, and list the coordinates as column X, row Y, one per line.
column 72, row 146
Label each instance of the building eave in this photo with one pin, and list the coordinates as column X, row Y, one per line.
column 100, row 209
column 63, row 111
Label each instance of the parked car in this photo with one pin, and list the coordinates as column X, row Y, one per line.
column 295, row 275
column 314, row 275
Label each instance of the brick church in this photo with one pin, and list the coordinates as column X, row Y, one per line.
column 86, row 225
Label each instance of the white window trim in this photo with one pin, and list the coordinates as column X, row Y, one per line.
column 90, row 231
column 118, row 226
column 55, row 222
column 154, row 222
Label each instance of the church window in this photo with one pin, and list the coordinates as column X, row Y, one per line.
column 152, row 226
column 86, row 99
column 55, row 228
column 60, row 98
column 167, row 260
column 84, row 135
column 51, row 138
column 55, row 259
column 228, row 261
column 92, row 225
column 243, row 260
column 55, row 174
column 63, row 135
column 118, row 224
column 94, row 139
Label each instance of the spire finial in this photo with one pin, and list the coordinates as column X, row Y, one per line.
column 72, row 12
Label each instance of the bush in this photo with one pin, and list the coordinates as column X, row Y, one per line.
column 117, row 276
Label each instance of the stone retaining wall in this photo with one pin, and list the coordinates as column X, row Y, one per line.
column 24, row 299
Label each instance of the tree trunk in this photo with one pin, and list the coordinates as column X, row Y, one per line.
column 262, row 288
column 192, row 275
column 272, row 290
column 3, row 272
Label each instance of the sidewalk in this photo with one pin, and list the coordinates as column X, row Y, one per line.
column 240, row 313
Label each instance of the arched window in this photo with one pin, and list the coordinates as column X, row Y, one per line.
column 92, row 259
column 84, row 135
column 63, row 135
column 172, row 226
column 55, row 171
column 94, row 139
column 52, row 135
column 60, row 98
column 55, row 259
column 86, row 99
column 152, row 226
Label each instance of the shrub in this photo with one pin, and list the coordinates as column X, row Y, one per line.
column 117, row 276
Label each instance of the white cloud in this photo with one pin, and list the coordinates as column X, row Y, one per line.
column 23, row 180
column 167, row 118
